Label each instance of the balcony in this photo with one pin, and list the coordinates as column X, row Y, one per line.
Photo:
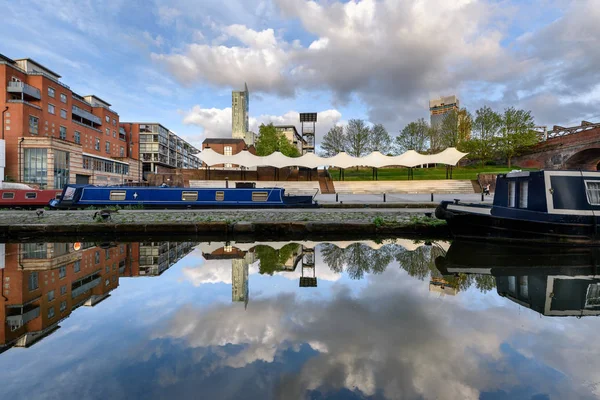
column 81, row 113
column 27, row 92
column 85, row 287
column 16, row 321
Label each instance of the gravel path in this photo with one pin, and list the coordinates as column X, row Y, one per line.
column 53, row 217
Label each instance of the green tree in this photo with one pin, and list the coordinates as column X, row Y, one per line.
column 455, row 128
column 272, row 260
column 270, row 140
column 486, row 127
column 516, row 132
column 334, row 141
column 357, row 137
column 380, row 139
column 414, row 136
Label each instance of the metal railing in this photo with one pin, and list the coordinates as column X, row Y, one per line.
column 22, row 87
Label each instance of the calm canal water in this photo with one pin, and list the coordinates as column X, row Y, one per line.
column 341, row 320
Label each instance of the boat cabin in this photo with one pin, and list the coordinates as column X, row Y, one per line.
column 553, row 192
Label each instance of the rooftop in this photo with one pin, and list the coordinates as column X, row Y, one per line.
column 222, row 140
column 31, row 60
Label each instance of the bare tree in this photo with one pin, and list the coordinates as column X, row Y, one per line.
column 334, row 141
column 357, row 138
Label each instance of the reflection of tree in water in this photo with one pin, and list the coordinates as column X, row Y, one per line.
column 358, row 259
column 272, row 260
column 419, row 263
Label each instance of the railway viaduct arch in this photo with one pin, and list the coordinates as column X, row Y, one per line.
column 565, row 148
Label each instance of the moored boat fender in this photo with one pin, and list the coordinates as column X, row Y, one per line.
column 441, row 211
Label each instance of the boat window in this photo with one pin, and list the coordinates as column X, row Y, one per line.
column 220, row 196
column 523, row 194
column 260, row 196
column 592, row 190
column 189, row 196
column 523, row 287
column 58, row 195
column 512, row 285
column 8, row 195
column 118, row 195
column 511, row 193
column 30, row 195
column 592, row 298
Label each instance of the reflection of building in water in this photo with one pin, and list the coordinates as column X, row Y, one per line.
column 440, row 285
column 308, row 268
column 239, row 281
column 240, row 264
column 43, row 283
column 553, row 295
column 156, row 257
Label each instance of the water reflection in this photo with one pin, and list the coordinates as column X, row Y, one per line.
column 391, row 319
column 43, row 283
column 551, row 281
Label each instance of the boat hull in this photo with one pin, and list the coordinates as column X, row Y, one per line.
column 475, row 222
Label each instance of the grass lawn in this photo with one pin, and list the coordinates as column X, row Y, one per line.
column 401, row 174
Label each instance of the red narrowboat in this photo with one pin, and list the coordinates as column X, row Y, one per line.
column 20, row 195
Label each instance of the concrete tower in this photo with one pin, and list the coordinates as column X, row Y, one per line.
column 240, row 101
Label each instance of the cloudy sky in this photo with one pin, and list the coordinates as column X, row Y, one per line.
column 383, row 336
column 176, row 61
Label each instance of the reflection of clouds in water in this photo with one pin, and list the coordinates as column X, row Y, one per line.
column 390, row 339
column 219, row 271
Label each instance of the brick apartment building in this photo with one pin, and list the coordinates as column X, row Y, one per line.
column 160, row 150
column 55, row 136
column 43, row 283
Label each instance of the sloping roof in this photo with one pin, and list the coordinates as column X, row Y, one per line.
column 411, row 158
column 222, row 141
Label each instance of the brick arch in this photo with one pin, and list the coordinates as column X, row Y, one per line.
column 586, row 159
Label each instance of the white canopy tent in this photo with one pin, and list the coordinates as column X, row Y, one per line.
column 410, row 159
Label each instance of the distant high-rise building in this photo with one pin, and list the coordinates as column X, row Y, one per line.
column 239, row 280
column 240, row 101
column 438, row 108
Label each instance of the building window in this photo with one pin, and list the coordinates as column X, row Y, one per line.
column 63, row 305
column 77, row 137
column 107, row 269
column 62, row 272
column 227, row 150
column 592, row 297
column 114, row 134
column 51, row 312
column 107, row 118
column 50, row 108
column 51, row 295
column 35, row 166
column 63, row 98
column 512, row 285
column 106, row 255
column 51, row 92
column 97, row 145
column 63, row 132
column 63, row 290
column 106, row 282
column 122, row 152
column 36, row 251
column 33, row 281
column 97, row 257
column 61, row 168
column 523, row 194
column 523, row 287
column 107, row 132
column 511, row 193
column 107, row 146
column 33, row 125
column 63, row 113
column 592, row 190
column 77, row 266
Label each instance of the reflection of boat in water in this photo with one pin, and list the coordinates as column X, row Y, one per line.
column 554, row 282
column 558, row 207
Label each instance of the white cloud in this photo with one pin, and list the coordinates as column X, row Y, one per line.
column 217, row 122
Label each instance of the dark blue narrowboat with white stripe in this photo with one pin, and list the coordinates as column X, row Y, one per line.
column 81, row 196
column 554, row 207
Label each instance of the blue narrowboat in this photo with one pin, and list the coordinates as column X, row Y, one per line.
column 555, row 207
column 80, row 196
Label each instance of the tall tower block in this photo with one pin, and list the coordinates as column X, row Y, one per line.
column 240, row 103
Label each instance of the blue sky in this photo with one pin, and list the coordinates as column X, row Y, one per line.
column 177, row 61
